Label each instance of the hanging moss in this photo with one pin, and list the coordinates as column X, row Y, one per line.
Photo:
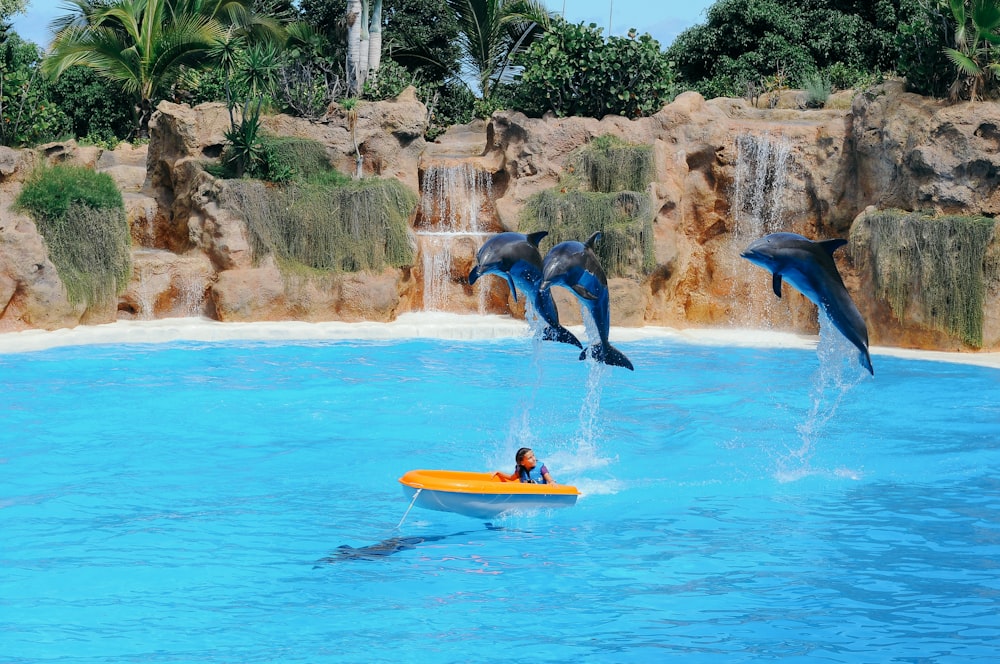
column 291, row 158
column 81, row 215
column 625, row 220
column 358, row 225
column 937, row 263
column 608, row 164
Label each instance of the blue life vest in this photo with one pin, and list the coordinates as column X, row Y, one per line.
column 524, row 474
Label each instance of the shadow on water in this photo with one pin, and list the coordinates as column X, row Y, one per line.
column 387, row 547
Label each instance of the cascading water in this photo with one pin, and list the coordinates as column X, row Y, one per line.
column 456, row 205
column 757, row 204
column 838, row 373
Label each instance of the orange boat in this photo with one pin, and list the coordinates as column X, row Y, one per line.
column 481, row 495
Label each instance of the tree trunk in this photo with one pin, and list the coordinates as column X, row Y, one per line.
column 363, row 48
column 354, row 23
column 375, row 39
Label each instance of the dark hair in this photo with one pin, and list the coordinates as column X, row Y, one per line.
column 520, row 470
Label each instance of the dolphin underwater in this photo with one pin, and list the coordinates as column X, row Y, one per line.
column 515, row 257
column 809, row 267
column 574, row 265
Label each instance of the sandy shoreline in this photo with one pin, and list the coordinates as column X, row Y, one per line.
column 416, row 325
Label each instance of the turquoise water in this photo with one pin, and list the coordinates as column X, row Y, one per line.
column 188, row 502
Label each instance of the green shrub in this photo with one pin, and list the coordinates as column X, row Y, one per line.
column 82, row 218
column 922, row 60
column 98, row 110
column 624, row 219
column 939, row 265
column 326, row 225
column 572, row 70
column 818, row 89
column 389, row 82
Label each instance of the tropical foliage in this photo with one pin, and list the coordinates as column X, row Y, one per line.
column 28, row 114
column 744, row 42
column 145, row 45
column 573, row 70
column 977, row 38
column 491, row 33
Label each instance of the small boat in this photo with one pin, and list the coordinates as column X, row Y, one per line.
column 481, row 495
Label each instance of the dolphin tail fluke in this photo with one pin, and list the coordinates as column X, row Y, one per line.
column 560, row 334
column 866, row 361
column 605, row 353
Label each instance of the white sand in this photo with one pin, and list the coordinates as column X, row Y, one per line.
column 417, row 325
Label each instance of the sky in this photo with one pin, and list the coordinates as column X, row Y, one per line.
column 663, row 19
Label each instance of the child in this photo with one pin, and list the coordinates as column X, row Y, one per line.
column 526, row 464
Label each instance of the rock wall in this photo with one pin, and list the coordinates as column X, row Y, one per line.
column 887, row 149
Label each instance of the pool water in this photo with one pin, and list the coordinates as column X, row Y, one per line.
column 238, row 502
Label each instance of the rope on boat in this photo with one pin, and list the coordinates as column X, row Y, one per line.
column 407, row 512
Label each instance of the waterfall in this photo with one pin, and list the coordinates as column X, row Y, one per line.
column 456, row 215
column 759, row 185
column 145, row 295
column 453, row 196
column 757, row 203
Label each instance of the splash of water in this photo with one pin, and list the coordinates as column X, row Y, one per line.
column 837, row 375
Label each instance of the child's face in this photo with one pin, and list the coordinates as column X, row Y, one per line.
column 529, row 460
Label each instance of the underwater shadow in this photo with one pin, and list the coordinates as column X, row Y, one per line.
column 387, row 547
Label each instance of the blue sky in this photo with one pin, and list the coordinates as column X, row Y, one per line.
column 663, row 19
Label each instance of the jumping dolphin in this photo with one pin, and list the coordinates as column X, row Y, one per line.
column 809, row 267
column 515, row 257
column 574, row 265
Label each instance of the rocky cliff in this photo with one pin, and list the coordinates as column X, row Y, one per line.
column 726, row 173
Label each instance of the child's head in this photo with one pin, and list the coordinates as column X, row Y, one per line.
column 525, row 458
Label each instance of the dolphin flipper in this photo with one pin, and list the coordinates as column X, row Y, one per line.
column 510, row 283
column 583, row 292
column 776, row 283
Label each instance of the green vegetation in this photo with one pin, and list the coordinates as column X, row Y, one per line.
column 938, row 264
column 744, row 42
column 573, row 70
column 625, row 218
column 145, row 45
column 82, row 218
column 327, row 223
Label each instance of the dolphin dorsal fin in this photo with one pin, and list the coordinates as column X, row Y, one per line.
column 592, row 240
column 536, row 237
column 776, row 283
column 831, row 246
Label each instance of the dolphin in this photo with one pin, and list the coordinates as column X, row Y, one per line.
column 809, row 267
column 574, row 265
column 515, row 257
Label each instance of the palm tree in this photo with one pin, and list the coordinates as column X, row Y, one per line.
column 145, row 44
column 491, row 32
column 976, row 39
